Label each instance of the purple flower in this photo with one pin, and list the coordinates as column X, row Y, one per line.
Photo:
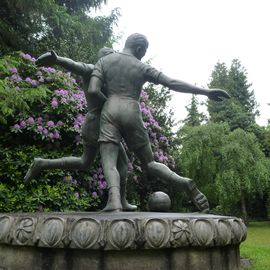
column 77, row 195
column 45, row 131
column 50, row 123
column 94, row 194
column 56, row 135
column 51, row 135
column 54, row 103
column 60, row 123
column 26, row 56
column 39, row 120
column 34, row 82
column 163, row 139
column 30, row 120
column 39, row 73
column 76, row 126
column 41, row 79
column 39, row 128
column 51, row 70
column 63, row 100
column 161, row 158
column 28, row 79
column 16, row 126
column 22, row 124
column 13, row 70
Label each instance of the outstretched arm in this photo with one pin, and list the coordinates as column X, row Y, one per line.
column 183, row 87
column 51, row 58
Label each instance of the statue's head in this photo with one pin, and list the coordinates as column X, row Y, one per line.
column 138, row 44
column 104, row 51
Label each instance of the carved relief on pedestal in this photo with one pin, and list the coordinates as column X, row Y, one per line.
column 238, row 229
column 121, row 234
column 181, row 233
column 23, row 234
column 224, row 234
column 203, row 232
column 5, row 226
column 157, row 233
column 101, row 232
column 85, row 233
column 51, row 232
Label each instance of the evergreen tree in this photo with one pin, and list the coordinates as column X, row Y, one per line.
column 241, row 109
column 194, row 117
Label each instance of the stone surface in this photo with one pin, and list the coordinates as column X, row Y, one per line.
column 245, row 263
column 123, row 240
column 120, row 231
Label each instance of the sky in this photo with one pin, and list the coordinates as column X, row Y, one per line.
column 188, row 37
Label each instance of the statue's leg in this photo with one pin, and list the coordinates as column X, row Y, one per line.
column 160, row 170
column 109, row 154
column 65, row 163
column 122, row 166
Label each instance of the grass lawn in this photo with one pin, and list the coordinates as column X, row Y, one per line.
column 257, row 245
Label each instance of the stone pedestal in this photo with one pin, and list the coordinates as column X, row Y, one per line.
column 115, row 241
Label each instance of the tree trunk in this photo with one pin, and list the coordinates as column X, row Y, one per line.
column 244, row 208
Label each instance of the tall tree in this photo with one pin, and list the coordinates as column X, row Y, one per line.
column 36, row 26
column 244, row 170
column 194, row 117
column 229, row 167
column 241, row 109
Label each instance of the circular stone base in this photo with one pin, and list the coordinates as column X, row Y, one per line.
column 122, row 240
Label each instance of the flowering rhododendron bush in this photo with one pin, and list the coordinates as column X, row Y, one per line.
column 42, row 110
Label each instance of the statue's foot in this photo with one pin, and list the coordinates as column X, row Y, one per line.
column 114, row 201
column 198, row 198
column 128, row 207
column 33, row 170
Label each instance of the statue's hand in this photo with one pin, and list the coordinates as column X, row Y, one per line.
column 217, row 94
column 47, row 59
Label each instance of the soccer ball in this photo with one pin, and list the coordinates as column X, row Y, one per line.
column 159, row 202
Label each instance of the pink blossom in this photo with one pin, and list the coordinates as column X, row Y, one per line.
column 28, row 79
column 30, row 120
column 16, row 126
column 39, row 128
column 39, row 120
column 94, row 194
column 54, row 103
column 50, row 123
column 22, row 124
column 56, row 135
column 34, row 82
column 60, row 123
column 13, row 70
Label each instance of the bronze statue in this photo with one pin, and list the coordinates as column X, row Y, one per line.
column 90, row 128
column 124, row 75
